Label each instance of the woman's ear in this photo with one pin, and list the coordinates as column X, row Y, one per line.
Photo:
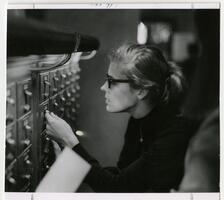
column 142, row 93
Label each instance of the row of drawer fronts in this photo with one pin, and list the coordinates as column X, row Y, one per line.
column 50, row 83
column 58, row 92
column 20, row 125
column 64, row 107
column 67, row 110
column 47, row 156
column 24, row 96
column 55, row 81
column 18, row 138
column 19, row 174
column 11, row 144
column 11, row 103
column 18, row 100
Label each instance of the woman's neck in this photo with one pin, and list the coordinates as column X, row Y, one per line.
column 141, row 110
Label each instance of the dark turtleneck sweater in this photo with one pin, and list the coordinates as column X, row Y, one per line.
column 152, row 158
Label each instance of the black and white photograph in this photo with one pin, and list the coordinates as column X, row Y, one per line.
column 116, row 100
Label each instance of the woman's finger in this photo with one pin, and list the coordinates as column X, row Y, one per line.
column 52, row 137
column 48, row 117
column 49, row 134
column 55, row 116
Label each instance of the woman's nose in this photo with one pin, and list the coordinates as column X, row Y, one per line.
column 103, row 87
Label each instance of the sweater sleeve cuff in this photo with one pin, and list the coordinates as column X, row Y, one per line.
column 79, row 149
column 84, row 154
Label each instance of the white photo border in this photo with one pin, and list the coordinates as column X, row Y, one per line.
column 43, row 4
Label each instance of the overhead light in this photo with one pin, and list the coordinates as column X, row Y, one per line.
column 142, row 33
column 79, row 133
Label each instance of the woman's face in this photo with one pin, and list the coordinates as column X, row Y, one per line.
column 120, row 97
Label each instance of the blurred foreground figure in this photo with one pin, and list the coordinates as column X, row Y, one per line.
column 202, row 158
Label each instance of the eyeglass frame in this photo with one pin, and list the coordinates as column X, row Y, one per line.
column 110, row 80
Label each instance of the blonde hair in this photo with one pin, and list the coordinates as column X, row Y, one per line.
column 147, row 68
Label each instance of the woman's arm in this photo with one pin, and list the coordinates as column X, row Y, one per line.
column 158, row 169
column 132, row 179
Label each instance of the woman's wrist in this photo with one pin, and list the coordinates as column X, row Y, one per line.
column 73, row 141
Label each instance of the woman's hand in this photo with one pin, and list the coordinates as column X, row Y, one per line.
column 59, row 130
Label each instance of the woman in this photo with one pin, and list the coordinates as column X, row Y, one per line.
column 141, row 82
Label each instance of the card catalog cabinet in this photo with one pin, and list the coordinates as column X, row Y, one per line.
column 38, row 79
column 29, row 152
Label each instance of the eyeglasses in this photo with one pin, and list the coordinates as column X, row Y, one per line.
column 110, row 80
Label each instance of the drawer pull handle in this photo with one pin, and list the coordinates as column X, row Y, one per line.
column 26, row 107
column 55, row 90
column 47, row 167
column 10, row 141
column 56, row 78
column 10, row 101
column 55, row 104
column 68, row 94
column 9, row 156
column 69, row 73
column 27, row 127
column 47, row 82
column 9, row 118
column 46, row 95
column 26, row 176
column 62, row 99
column 12, row 180
column 26, row 142
column 68, row 82
column 28, row 93
column 28, row 162
column 63, row 76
